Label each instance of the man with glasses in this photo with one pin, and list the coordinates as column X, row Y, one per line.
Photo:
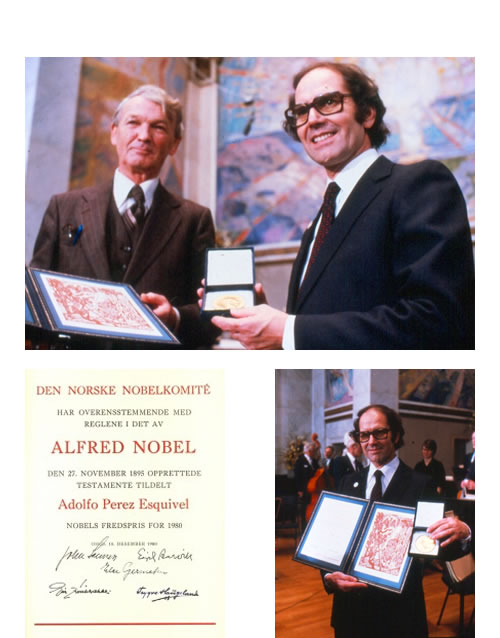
column 359, row 610
column 387, row 263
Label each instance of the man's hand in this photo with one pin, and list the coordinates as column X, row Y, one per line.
column 257, row 328
column 162, row 308
column 449, row 530
column 468, row 484
column 343, row 582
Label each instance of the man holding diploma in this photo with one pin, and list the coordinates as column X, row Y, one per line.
column 133, row 230
column 358, row 609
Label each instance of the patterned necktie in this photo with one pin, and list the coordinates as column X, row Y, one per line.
column 376, row 494
column 327, row 212
column 138, row 209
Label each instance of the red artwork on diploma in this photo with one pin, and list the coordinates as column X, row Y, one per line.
column 95, row 305
column 387, row 544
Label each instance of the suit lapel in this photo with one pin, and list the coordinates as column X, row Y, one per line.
column 158, row 229
column 354, row 483
column 92, row 217
column 298, row 265
column 365, row 191
column 399, row 484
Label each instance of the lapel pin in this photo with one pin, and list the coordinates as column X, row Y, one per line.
column 356, row 484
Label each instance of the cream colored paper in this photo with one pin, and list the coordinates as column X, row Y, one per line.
column 125, row 503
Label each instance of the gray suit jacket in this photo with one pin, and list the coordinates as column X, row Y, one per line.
column 168, row 259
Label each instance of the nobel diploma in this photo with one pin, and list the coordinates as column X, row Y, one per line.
column 125, row 508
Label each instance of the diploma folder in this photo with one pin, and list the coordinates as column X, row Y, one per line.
column 365, row 539
column 71, row 306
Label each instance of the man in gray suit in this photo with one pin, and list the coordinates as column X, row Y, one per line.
column 133, row 230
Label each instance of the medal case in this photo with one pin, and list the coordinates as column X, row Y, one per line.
column 229, row 280
column 422, row 545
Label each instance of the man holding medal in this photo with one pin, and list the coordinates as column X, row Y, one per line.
column 359, row 610
column 387, row 263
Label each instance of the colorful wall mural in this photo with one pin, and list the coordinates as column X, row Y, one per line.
column 453, row 388
column 104, row 83
column 269, row 190
column 338, row 387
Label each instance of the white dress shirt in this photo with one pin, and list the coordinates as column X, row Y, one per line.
column 352, row 459
column 346, row 180
column 121, row 189
column 388, row 470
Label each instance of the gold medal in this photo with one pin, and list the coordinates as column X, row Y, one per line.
column 425, row 544
column 226, row 302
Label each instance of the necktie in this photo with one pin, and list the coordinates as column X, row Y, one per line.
column 376, row 494
column 138, row 209
column 358, row 465
column 328, row 216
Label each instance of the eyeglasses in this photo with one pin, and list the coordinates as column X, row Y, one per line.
column 379, row 434
column 327, row 104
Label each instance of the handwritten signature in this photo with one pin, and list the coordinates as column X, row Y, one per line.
column 109, row 561
column 163, row 554
column 76, row 554
column 61, row 589
column 129, row 569
column 167, row 593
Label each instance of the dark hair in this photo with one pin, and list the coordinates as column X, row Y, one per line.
column 431, row 445
column 393, row 421
column 364, row 92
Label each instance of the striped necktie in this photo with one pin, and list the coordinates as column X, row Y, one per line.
column 327, row 213
column 136, row 213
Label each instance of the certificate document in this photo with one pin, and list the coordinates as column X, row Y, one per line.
column 365, row 539
column 124, row 503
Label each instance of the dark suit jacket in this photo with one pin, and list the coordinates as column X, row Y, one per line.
column 341, row 466
column 396, row 269
column 471, row 471
column 329, row 475
column 168, row 259
column 303, row 472
column 376, row 612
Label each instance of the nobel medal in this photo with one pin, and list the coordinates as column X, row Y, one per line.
column 425, row 544
column 227, row 302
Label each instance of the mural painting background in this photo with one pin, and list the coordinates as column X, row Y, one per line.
column 269, row 190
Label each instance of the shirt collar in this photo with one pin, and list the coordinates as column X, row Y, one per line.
column 351, row 458
column 122, row 186
column 351, row 174
column 388, row 470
